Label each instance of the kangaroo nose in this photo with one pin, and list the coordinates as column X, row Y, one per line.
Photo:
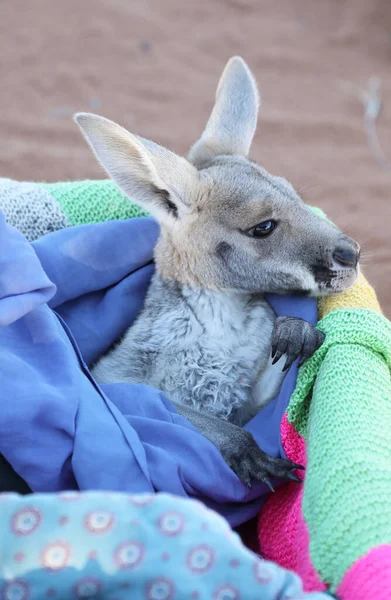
column 347, row 256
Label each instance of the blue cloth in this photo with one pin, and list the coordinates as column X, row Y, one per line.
column 63, row 301
column 139, row 547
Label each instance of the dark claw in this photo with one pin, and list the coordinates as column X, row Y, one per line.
column 277, row 357
column 289, row 363
column 269, row 484
column 294, row 477
column 294, row 337
column 296, row 466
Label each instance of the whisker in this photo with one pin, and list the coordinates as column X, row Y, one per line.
column 304, row 189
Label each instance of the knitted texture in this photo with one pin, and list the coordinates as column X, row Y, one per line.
column 369, row 578
column 349, row 450
column 40, row 208
column 371, row 333
column 341, row 407
column 92, row 201
column 30, row 208
column 283, row 532
column 361, row 295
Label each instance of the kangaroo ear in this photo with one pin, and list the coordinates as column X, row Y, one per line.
column 232, row 124
column 161, row 182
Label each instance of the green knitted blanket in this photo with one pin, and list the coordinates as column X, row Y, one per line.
column 37, row 209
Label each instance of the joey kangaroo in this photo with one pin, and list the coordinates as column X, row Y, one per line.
column 230, row 233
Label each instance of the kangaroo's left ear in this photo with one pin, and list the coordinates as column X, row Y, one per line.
column 233, row 121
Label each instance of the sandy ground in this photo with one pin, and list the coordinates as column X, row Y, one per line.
column 153, row 65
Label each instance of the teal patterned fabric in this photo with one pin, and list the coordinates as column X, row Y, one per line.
column 118, row 547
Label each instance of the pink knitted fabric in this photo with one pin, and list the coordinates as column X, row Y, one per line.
column 283, row 538
column 277, row 526
column 293, row 443
column 283, row 533
column 369, row 578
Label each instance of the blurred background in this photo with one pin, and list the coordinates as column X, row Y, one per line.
column 153, row 65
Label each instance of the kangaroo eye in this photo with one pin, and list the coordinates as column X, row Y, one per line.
column 262, row 229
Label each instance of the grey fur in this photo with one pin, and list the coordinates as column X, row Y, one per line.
column 204, row 349
column 204, row 336
column 239, row 449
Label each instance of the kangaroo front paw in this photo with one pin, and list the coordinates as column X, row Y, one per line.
column 294, row 337
column 250, row 463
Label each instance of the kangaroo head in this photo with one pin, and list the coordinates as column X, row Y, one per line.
column 226, row 223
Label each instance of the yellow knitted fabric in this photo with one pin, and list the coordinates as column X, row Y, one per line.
column 361, row 295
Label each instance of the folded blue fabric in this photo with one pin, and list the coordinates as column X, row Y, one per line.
column 63, row 301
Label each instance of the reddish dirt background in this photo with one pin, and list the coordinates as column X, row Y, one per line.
column 153, row 65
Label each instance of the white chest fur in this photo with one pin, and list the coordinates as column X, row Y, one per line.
column 207, row 349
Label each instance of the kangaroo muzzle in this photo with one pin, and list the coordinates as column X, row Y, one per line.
column 347, row 255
